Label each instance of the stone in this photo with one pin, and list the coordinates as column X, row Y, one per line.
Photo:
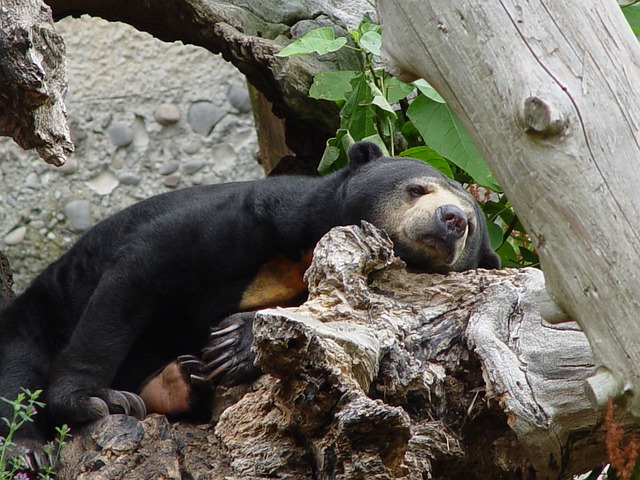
column 120, row 134
column 192, row 166
column 224, row 157
column 210, row 179
column 140, row 134
column 33, row 180
column 238, row 96
column 192, row 145
column 169, row 167
column 172, row 181
column 167, row 114
column 195, row 180
column 37, row 224
column 131, row 158
column 203, row 116
column 78, row 213
column 128, row 178
column 15, row 236
column 106, row 120
column 104, row 183
column 117, row 162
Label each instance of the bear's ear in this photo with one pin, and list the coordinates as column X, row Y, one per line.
column 363, row 152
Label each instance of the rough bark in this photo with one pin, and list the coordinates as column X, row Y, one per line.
column 248, row 34
column 548, row 92
column 33, row 80
column 383, row 374
column 6, row 281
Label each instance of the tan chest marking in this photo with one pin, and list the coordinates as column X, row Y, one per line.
column 278, row 283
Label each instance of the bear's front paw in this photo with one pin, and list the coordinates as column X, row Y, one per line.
column 227, row 359
column 92, row 404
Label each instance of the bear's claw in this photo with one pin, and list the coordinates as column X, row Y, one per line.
column 109, row 401
column 228, row 359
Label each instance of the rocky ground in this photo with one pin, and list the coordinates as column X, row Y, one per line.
column 146, row 117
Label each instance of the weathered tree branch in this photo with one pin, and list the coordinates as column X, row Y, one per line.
column 385, row 374
column 6, row 281
column 248, row 34
column 33, row 80
column 548, row 92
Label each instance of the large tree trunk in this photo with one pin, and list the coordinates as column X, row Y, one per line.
column 548, row 91
column 33, row 80
column 383, row 374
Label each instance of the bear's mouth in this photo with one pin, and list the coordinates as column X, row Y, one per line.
column 434, row 251
column 428, row 251
column 445, row 250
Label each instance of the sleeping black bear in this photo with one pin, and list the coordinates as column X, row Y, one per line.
column 147, row 285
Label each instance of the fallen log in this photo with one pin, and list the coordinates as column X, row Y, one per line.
column 382, row 374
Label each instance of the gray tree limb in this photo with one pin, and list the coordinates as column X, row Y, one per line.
column 33, row 80
column 248, row 34
column 548, row 91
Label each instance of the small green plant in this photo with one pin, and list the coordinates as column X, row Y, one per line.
column 24, row 409
column 407, row 120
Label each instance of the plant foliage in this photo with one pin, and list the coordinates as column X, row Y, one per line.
column 407, row 120
column 15, row 467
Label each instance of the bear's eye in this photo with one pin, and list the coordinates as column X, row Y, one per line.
column 416, row 190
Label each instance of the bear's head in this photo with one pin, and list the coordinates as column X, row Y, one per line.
column 435, row 224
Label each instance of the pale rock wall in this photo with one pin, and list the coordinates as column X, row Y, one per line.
column 146, row 117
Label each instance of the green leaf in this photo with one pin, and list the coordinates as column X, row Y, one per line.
column 347, row 141
column 508, row 257
column 632, row 14
column 396, row 89
column 320, row 41
column 371, row 41
column 369, row 25
column 529, row 256
column 443, row 132
column 361, row 124
column 496, row 235
column 357, row 113
column 379, row 100
column 329, row 157
column 431, row 157
column 332, row 85
column 428, row 91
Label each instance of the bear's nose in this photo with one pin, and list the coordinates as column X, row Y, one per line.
column 453, row 218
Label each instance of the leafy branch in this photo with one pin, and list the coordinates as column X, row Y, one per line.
column 406, row 120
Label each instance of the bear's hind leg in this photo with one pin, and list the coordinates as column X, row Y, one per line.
column 177, row 391
column 24, row 365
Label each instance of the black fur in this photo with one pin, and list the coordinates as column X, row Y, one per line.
column 147, row 284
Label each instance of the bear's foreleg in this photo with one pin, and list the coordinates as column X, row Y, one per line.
column 184, row 386
column 81, row 375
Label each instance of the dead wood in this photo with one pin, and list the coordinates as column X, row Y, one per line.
column 33, row 80
column 385, row 374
